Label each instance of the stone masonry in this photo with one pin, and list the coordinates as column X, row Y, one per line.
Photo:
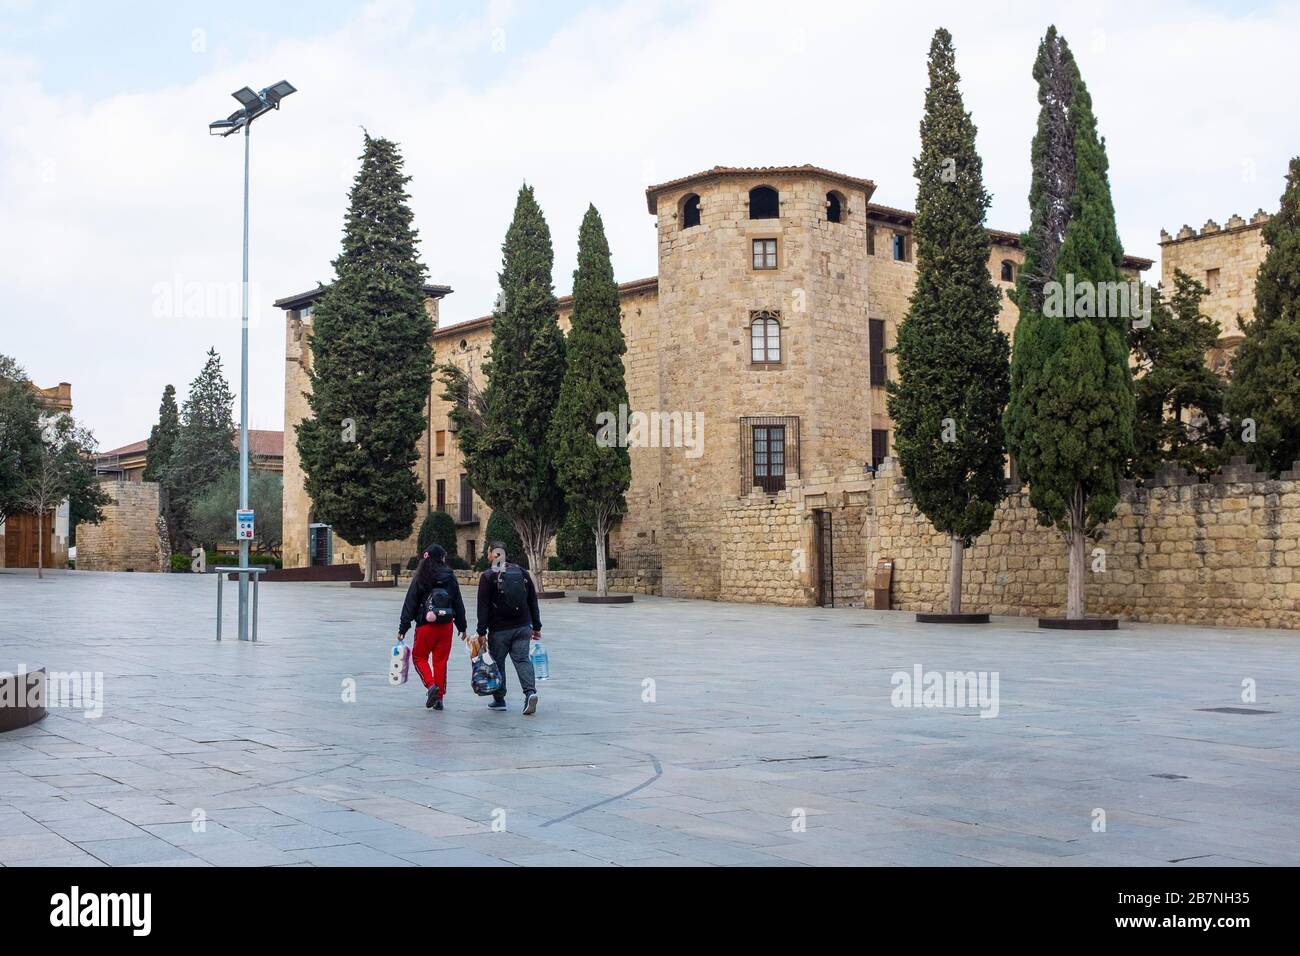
column 129, row 537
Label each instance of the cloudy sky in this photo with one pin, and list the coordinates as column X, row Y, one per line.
column 120, row 216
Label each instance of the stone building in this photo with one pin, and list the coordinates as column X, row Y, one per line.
column 761, row 352
column 1224, row 259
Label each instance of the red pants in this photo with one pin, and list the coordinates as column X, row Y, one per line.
column 432, row 640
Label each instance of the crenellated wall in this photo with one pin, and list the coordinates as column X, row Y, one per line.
column 1223, row 552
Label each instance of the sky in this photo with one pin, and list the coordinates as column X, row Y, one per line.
column 120, row 217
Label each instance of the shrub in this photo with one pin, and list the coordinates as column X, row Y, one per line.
column 456, row 562
column 499, row 528
column 437, row 528
column 180, row 563
column 575, row 545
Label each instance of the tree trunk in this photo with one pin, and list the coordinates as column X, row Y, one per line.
column 370, row 561
column 40, row 545
column 1075, row 593
column 602, row 584
column 956, row 550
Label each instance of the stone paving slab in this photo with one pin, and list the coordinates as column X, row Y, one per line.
column 675, row 733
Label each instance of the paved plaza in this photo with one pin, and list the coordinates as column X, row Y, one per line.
column 672, row 733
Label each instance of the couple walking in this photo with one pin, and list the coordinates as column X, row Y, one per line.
column 507, row 615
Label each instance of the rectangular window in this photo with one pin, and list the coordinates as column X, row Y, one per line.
column 876, row 351
column 1211, row 279
column 764, row 338
column 440, row 443
column 879, row 446
column 769, row 447
column 442, row 494
column 466, row 500
column 471, row 555
column 900, row 247
column 764, row 253
column 871, row 239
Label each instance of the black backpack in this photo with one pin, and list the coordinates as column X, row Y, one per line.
column 437, row 606
column 512, row 591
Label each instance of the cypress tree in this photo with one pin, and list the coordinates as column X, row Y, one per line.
column 205, row 446
column 504, row 432
column 162, row 437
column 592, row 463
column 1265, row 391
column 161, row 446
column 371, row 365
column 1069, row 421
column 952, row 359
column 1179, row 399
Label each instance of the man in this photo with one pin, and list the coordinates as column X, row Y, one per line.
column 507, row 614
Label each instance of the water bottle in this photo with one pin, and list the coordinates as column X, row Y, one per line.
column 541, row 661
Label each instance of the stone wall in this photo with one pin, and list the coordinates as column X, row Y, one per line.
column 1225, row 552
column 643, row 581
column 769, row 549
column 128, row 539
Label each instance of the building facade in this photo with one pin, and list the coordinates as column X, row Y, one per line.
column 1225, row 260
column 759, row 356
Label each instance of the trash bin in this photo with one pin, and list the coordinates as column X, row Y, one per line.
column 881, row 600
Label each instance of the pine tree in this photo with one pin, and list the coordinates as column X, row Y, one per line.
column 504, row 432
column 952, row 359
column 1179, row 399
column 593, row 464
column 1265, row 391
column 205, row 448
column 1069, row 421
column 162, row 437
column 371, row 366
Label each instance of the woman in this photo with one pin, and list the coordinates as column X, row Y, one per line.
column 433, row 602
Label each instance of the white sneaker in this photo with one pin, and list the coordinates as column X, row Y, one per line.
column 530, row 705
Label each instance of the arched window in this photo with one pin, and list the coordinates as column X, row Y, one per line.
column 764, row 203
column 1008, row 271
column 690, row 211
column 764, row 338
column 835, row 207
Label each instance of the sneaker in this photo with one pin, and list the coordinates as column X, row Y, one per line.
column 530, row 705
column 437, row 704
column 497, row 704
column 433, row 696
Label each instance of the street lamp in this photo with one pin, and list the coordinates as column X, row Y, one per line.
column 251, row 106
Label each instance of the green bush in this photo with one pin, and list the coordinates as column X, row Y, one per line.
column 575, row 545
column 499, row 528
column 456, row 562
column 413, row 562
column 181, row 562
column 437, row 528
column 231, row 558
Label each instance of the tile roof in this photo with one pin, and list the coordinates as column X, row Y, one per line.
column 719, row 171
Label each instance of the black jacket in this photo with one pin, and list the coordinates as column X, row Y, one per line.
column 412, row 607
column 491, row 619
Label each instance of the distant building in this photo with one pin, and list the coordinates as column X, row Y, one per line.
column 265, row 453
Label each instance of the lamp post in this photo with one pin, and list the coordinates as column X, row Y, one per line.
column 251, row 106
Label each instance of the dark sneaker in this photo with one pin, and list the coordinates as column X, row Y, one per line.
column 437, row 704
column 433, row 696
column 497, row 704
column 530, row 705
